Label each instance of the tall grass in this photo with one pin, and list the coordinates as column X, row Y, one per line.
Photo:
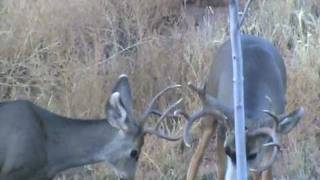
column 66, row 55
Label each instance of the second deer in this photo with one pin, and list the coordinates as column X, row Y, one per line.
column 264, row 98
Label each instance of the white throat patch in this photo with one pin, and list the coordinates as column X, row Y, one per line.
column 231, row 173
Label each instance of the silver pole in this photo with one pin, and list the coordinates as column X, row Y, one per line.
column 237, row 62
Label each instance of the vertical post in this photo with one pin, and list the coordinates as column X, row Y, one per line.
column 237, row 62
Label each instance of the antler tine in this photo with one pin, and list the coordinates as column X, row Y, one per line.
column 160, row 135
column 275, row 144
column 271, row 132
column 164, row 115
column 197, row 115
column 275, row 118
column 182, row 113
column 269, row 101
column 272, row 160
column 167, row 111
column 186, row 135
column 159, row 113
column 155, row 98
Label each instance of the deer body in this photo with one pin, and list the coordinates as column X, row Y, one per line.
column 38, row 144
column 264, row 90
column 42, row 143
column 264, row 75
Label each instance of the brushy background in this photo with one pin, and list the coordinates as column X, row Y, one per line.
column 66, row 56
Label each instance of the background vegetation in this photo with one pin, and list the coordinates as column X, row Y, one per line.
column 66, row 55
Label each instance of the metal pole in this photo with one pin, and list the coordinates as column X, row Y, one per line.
column 239, row 118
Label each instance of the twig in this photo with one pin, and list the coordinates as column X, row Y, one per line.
column 245, row 12
column 237, row 66
column 146, row 155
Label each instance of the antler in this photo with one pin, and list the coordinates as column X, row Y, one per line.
column 150, row 109
column 159, row 113
column 163, row 115
column 215, row 109
column 195, row 116
column 271, row 132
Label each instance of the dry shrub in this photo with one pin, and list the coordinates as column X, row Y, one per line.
column 66, row 56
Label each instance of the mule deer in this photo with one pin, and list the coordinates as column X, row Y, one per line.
column 264, row 97
column 37, row 144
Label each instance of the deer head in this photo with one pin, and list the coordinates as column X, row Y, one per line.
column 129, row 130
column 262, row 139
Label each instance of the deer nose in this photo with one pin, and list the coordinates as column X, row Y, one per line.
column 231, row 154
column 134, row 154
column 122, row 177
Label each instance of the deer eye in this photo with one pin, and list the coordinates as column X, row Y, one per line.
column 252, row 156
column 134, row 154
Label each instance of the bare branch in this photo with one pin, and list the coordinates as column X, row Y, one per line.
column 238, row 90
column 245, row 12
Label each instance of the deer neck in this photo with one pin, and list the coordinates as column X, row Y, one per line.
column 72, row 143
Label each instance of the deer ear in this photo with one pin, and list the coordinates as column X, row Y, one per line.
column 116, row 113
column 290, row 121
column 123, row 87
